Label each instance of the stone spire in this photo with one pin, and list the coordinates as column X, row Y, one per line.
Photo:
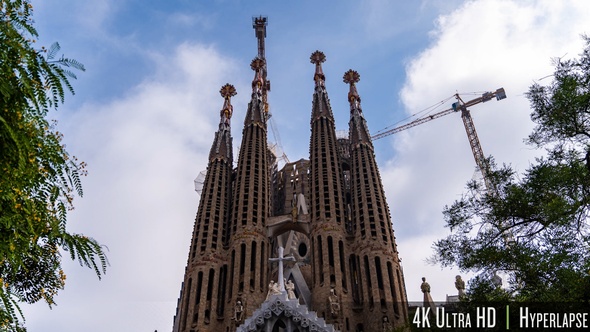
column 326, row 202
column 318, row 58
column 206, row 268
column 359, row 133
column 248, row 246
column 258, row 107
column 321, row 103
column 375, row 248
column 222, row 145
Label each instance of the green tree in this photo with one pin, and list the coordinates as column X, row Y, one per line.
column 536, row 228
column 38, row 179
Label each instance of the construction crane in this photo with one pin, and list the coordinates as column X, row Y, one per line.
column 461, row 106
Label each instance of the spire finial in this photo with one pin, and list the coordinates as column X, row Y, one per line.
column 351, row 77
column 318, row 58
column 227, row 91
column 258, row 83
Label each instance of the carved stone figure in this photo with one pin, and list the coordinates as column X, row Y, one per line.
column 273, row 289
column 425, row 287
column 239, row 312
column 386, row 325
column 290, row 287
column 460, row 285
column 334, row 303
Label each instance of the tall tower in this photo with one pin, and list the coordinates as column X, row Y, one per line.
column 378, row 283
column 326, row 204
column 248, row 243
column 205, row 277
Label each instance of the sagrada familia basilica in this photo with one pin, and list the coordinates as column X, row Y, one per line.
column 309, row 247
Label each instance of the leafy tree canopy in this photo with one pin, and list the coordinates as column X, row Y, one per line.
column 535, row 229
column 38, row 178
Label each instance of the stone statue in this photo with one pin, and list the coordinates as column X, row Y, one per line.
column 460, row 285
column 334, row 303
column 290, row 287
column 425, row 287
column 273, row 289
column 386, row 325
column 239, row 312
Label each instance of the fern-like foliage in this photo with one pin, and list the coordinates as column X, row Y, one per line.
column 38, row 178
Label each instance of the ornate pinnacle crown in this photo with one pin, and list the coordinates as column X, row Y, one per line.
column 228, row 91
column 317, row 57
column 351, row 77
column 257, row 63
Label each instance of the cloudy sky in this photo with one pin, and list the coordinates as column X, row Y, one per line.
column 146, row 109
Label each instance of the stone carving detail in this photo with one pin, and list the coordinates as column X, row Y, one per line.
column 290, row 287
column 386, row 325
column 288, row 312
column 239, row 312
column 273, row 289
column 425, row 287
column 334, row 303
column 280, row 306
column 305, row 322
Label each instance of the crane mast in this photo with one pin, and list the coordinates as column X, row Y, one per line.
column 259, row 24
column 462, row 106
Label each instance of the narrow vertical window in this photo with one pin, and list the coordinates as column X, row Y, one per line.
column 320, row 260
column 331, row 261
column 392, row 288
column 231, row 275
column 209, row 296
column 221, row 290
column 252, row 266
column 369, row 285
column 198, row 297
column 342, row 263
column 242, row 266
column 186, row 301
column 262, row 260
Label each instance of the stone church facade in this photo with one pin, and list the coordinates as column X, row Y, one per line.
column 340, row 266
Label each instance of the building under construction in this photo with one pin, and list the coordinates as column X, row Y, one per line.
column 309, row 247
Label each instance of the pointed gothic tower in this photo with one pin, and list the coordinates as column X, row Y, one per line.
column 379, row 286
column 327, row 207
column 248, row 243
column 205, row 277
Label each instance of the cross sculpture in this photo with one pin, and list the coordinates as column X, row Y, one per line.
column 280, row 260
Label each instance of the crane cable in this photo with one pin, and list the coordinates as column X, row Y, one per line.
column 422, row 113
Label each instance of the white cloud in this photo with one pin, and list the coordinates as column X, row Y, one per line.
column 483, row 45
column 143, row 152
